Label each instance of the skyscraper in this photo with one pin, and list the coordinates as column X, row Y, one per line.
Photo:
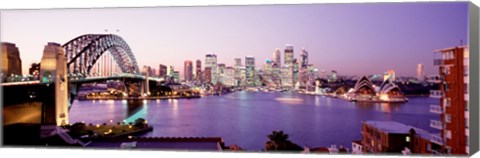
column 220, row 72
column 276, row 58
column 239, row 72
column 162, row 71
column 176, row 76
column 238, row 62
column 198, row 71
column 420, row 74
column 229, row 77
column 208, row 74
column 170, row 71
column 250, row 70
column 211, row 62
column 295, row 72
column 11, row 62
column 288, row 55
column 304, row 58
column 188, row 70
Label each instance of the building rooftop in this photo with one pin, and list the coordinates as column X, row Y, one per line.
column 167, row 143
column 8, row 44
column 449, row 48
column 393, row 127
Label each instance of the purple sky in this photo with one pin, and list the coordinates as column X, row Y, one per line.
column 354, row 39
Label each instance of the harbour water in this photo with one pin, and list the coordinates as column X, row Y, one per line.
column 246, row 118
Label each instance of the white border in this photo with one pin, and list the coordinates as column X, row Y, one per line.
column 83, row 153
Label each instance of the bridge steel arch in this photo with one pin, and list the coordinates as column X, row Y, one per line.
column 83, row 52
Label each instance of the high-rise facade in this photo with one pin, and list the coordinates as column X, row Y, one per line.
column 188, row 70
column 304, row 59
column 162, row 71
column 453, row 94
column 208, row 74
column 295, row 72
column 211, row 61
column 276, row 59
column 238, row 67
column 11, row 62
column 420, row 73
column 288, row 61
column 250, row 71
column 170, row 71
column 286, row 76
column 220, row 73
column 229, row 77
column 238, row 62
column 176, row 76
column 198, row 71
column 153, row 72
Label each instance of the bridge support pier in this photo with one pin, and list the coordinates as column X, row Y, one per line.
column 54, row 70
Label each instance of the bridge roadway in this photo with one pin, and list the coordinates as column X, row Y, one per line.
column 89, row 79
column 113, row 77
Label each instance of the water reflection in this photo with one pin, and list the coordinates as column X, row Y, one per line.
column 246, row 118
column 135, row 109
column 289, row 100
column 317, row 100
column 175, row 108
column 382, row 107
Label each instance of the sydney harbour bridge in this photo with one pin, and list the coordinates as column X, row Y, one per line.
column 64, row 68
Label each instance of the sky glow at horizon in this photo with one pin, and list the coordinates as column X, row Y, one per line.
column 353, row 39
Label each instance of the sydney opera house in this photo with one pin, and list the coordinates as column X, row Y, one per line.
column 365, row 91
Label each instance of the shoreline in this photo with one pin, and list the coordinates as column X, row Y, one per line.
column 140, row 98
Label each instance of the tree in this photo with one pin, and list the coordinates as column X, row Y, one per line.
column 278, row 141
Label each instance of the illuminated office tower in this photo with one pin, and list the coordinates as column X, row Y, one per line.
column 208, row 75
column 295, row 73
column 420, row 73
column 176, row 76
column 288, row 61
column 250, row 71
column 198, row 71
column 162, row 71
column 304, row 59
column 170, row 71
column 188, row 71
column 276, row 58
column 211, row 62
column 220, row 72
column 229, row 77
column 238, row 62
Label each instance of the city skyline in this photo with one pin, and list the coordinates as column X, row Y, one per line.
column 332, row 34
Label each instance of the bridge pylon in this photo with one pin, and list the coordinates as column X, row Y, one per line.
column 54, row 70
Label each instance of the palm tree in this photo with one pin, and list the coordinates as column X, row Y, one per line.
column 279, row 141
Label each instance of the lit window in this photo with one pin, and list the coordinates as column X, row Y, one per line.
column 407, row 139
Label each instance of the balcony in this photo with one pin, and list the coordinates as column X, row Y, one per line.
column 436, row 109
column 436, row 94
column 436, row 139
column 438, row 62
column 436, row 124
